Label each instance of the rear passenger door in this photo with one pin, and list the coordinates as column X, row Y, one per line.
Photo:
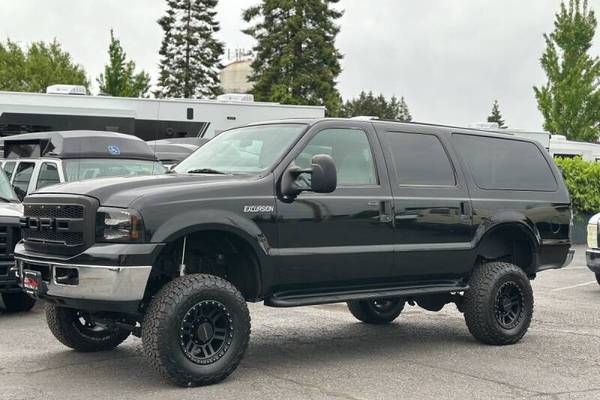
column 432, row 209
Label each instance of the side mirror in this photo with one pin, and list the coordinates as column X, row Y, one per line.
column 323, row 177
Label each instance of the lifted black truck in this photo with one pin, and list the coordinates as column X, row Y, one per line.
column 293, row 213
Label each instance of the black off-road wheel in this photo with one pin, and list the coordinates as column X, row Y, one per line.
column 196, row 330
column 76, row 329
column 598, row 277
column 381, row 311
column 498, row 306
column 17, row 302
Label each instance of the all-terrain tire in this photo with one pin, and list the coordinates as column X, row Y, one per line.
column 498, row 307
column 598, row 277
column 68, row 326
column 175, row 352
column 17, row 302
column 376, row 311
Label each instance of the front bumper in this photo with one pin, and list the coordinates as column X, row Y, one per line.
column 592, row 257
column 8, row 279
column 93, row 282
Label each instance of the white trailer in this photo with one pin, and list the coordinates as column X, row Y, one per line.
column 149, row 119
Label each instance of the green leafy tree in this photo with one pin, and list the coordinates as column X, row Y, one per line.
column 368, row 104
column 496, row 115
column 570, row 101
column 38, row 66
column 296, row 58
column 119, row 77
column 190, row 53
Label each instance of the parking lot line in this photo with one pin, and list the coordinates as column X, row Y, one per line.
column 574, row 286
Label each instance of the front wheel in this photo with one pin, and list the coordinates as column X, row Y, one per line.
column 17, row 302
column 196, row 330
column 381, row 311
column 76, row 329
column 498, row 306
column 598, row 277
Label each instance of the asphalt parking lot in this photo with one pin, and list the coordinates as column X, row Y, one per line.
column 323, row 353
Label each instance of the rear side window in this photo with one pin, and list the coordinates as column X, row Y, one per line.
column 48, row 175
column 9, row 167
column 503, row 164
column 22, row 178
column 420, row 160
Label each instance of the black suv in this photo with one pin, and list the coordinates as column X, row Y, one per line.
column 294, row 213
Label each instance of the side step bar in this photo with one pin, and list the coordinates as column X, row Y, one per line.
column 299, row 298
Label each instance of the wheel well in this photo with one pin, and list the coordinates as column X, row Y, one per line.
column 508, row 243
column 214, row 252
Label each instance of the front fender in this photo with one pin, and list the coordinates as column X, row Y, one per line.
column 212, row 219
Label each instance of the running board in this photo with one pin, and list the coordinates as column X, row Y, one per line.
column 298, row 298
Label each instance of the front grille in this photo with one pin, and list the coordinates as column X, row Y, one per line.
column 9, row 236
column 49, row 236
column 58, row 224
column 70, row 211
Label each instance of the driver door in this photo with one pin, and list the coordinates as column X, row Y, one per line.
column 346, row 236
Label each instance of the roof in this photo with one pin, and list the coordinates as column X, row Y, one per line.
column 77, row 144
column 411, row 124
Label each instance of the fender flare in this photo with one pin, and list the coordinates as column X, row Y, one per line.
column 218, row 220
column 508, row 219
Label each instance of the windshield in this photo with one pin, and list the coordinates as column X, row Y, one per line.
column 6, row 190
column 249, row 150
column 81, row 169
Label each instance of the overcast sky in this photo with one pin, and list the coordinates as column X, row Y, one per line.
column 449, row 58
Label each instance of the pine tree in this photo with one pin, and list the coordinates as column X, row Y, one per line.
column 119, row 77
column 367, row 104
column 403, row 111
column 496, row 115
column 190, row 54
column 296, row 58
column 570, row 101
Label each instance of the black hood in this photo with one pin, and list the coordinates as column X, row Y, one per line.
column 123, row 192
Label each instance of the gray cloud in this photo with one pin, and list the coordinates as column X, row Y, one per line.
column 449, row 58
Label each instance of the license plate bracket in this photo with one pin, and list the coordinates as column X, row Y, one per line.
column 32, row 282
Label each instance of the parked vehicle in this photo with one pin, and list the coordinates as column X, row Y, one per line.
column 592, row 253
column 294, row 213
column 171, row 151
column 11, row 211
column 66, row 107
column 36, row 160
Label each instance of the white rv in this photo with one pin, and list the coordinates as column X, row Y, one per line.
column 64, row 108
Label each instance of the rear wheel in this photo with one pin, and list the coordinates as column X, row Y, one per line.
column 17, row 302
column 196, row 330
column 381, row 311
column 598, row 277
column 76, row 329
column 498, row 306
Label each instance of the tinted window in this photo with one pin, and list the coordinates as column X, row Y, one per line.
column 22, row 178
column 352, row 154
column 420, row 159
column 48, row 175
column 505, row 164
column 9, row 167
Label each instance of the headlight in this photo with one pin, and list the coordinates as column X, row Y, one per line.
column 592, row 236
column 118, row 225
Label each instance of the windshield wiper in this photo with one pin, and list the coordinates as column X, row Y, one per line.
column 206, row 171
column 5, row 199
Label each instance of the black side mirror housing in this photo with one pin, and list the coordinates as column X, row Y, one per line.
column 323, row 177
